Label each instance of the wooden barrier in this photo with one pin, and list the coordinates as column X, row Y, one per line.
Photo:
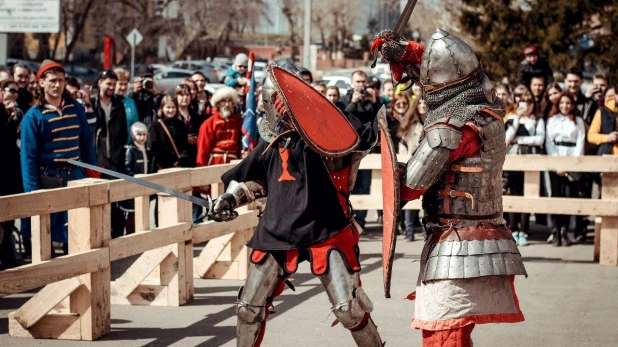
column 74, row 302
column 605, row 209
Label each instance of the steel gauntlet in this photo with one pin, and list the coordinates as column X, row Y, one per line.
column 236, row 195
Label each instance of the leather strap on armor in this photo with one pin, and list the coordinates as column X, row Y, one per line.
column 460, row 168
column 454, row 193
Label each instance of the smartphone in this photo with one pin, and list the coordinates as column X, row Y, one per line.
column 522, row 106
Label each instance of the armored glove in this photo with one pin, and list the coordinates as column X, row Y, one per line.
column 401, row 54
column 223, row 208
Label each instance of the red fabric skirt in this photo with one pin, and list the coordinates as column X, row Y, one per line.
column 345, row 242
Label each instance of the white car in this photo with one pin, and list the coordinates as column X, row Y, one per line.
column 259, row 69
column 341, row 82
column 171, row 78
column 382, row 70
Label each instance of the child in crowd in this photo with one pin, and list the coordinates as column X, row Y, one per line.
column 136, row 162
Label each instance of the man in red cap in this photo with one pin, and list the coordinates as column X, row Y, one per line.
column 53, row 131
column 534, row 66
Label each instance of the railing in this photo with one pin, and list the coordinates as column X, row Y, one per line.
column 75, row 302
column 605, row 209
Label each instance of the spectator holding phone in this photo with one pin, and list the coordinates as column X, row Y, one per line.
column 598, row 89
column 525, row 134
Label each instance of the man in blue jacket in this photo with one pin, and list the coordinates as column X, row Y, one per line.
column 53, row 131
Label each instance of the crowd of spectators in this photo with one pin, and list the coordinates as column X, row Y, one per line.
column 47, row 119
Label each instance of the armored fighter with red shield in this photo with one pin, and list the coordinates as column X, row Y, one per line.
column 470, row 259
column 305, row 163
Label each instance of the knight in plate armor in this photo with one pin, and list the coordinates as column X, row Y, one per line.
column 470, row 258
column 307, row 215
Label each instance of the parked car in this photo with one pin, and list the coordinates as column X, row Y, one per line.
column 85, row 74
column 382, row 70
column 341, row 82
column 207, row 68
column 171, row 78
column 31, row 65
column 221, row 67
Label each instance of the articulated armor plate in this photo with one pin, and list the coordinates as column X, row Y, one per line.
column 467, row 200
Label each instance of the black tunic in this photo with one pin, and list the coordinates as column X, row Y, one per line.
column 306, row 210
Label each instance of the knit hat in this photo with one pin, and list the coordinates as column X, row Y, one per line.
column 46, row 65
column 137, row 126
column 241, row 59
column 224, row 93
column 531, row 50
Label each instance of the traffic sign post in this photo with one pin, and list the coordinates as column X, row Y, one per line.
column 134, row 38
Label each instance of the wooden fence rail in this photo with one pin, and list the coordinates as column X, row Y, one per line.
column 75, row 302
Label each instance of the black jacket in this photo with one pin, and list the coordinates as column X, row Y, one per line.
column 364, row 110
column 118, row 134
column 10, row 175
column 163, row 154
column 527, row 71
column 147, row 106
column 24, row 100
column 135, row 163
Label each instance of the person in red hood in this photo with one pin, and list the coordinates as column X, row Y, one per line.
column 219, row 137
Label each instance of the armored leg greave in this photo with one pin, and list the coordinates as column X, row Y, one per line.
column 350, row 303
column 264, row 282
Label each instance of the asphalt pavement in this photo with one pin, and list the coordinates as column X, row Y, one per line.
column 568, row 300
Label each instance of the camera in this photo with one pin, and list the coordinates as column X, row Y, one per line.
column 148, row 84
column 364, row 91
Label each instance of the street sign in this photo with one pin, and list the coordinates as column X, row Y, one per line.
column 35, row 16
column 134, row 38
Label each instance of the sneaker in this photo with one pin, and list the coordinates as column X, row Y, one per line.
column 522, row 239
column 550, row 238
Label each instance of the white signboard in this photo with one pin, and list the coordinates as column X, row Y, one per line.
column 134, row 38
column 35, row 16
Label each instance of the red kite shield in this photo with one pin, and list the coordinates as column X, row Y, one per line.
column 390, row 200
column 320, row 123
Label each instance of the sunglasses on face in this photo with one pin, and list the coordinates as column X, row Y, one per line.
column 11, row 90
column 242, row 66
column 401, row 104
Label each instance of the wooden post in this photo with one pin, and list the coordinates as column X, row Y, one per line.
column 142, row 213
column 41, row 238
column 90, row 228
column 177, row 268
column 532, row 184
column 609, row 225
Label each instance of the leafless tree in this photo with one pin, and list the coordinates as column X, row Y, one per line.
column 291, row 10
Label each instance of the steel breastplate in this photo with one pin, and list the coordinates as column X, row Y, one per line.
column 471, row 190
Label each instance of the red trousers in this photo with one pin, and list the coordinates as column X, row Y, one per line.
column 459, row 337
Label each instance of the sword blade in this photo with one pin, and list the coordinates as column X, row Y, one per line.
column 402, row 23
column 170, row 191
